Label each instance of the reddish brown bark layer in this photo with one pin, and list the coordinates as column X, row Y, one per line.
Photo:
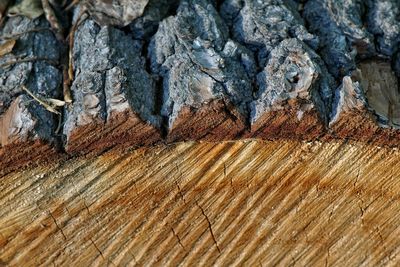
column 368, row 107
column 216, row 121
column 121, row 128
column 360, row 126
column 288, row 124
column 27, row 153
column 21, row 142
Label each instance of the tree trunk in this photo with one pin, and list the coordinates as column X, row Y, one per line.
column 318, row 79
column 146, row 71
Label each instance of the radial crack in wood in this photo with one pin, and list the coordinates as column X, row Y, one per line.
column 293, row 202
column 27, row 129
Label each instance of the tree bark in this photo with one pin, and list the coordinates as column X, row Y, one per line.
column 146, row 72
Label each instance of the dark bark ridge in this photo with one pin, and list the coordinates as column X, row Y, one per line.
column 27, row 129
column 114, row 95
column 212, row 70
column 206, row 75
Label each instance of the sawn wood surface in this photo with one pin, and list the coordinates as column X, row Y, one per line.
column 243, row 203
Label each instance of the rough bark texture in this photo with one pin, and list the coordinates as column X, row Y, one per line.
column 27, row 129
column 120, row 12
column 210, row 70
column 145, row 27
column 383, row 22
column 368, row 110
column 114, row 96
column 206, row 76
column 262, row 25
column 339, row 27
column 292, row 88
column 149, row 70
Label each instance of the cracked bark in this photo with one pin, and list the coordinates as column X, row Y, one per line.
column 204, row 70
column 367, row 109
column 27, row 130
column 294, row 88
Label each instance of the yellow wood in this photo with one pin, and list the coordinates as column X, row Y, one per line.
column 238, row 203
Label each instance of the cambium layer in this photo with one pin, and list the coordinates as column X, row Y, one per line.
column 146, row 71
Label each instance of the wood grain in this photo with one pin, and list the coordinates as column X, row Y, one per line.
column 234, row 203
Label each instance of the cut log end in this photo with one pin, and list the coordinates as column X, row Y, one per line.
column 123, row 128
column 288, row 124
column 213, row 121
